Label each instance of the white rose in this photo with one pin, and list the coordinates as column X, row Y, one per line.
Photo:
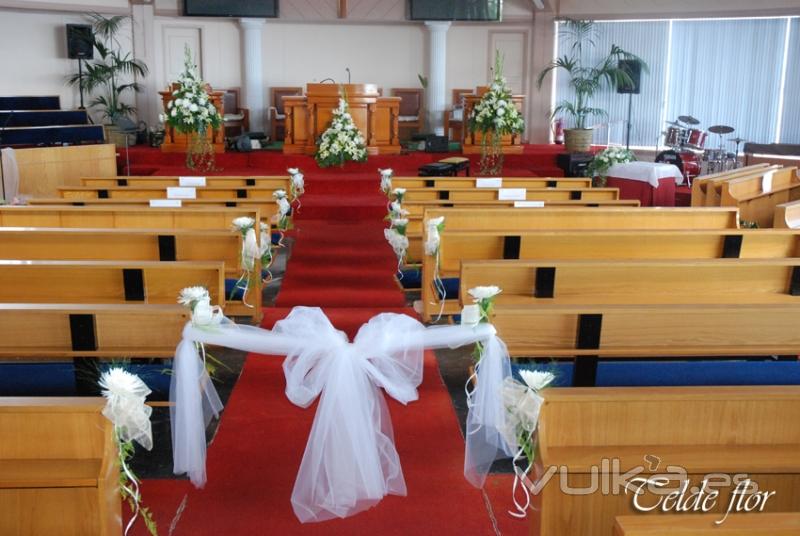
column 243, row 222
column 190, row 295
column 483, row 293
column 536, row 379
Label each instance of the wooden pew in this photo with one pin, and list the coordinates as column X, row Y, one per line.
column 713, row 194
column 124, row 217
column 266, row 207
column 727, row 430
column 161, row 181
column 701, row 184
column 160, row 192
column 644, row 282
column 499, row 223
column 787, row 216
column 754, row 524
column 95, row 282
column 90, row 330
column 757, row 196
column 414, row 195
column 76, row 244
column 58, row 468
column 508, row 182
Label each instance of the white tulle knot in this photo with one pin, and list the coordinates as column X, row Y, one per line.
column 250, row 250
column 125, row 395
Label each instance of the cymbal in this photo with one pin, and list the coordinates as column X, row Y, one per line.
column 736, row 140
column 688, row 119
column 674, row 124
column 721, row 129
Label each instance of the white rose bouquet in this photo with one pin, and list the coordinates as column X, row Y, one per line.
column 190, row 109
column 341, row 141
column 496, row 112
column 605, row 159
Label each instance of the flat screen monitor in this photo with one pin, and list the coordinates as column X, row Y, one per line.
column 467, row 10
column 231, row 8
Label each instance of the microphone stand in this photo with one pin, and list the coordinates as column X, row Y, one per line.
column 2, row 171
column 348, row 74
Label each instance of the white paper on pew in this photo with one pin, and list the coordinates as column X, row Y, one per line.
column 528, row 204
column 165, row 203
column 766, row 181
column 511, row 194
column 181, row 192
column 490, row 182
column 192, row 181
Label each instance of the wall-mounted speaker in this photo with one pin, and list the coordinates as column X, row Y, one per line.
column 633, row 68
column 80, row 42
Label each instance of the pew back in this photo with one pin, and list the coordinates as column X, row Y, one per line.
column 162, row 181
column 787, row 216
column 508, row 182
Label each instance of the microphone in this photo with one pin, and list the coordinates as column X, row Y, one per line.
column 348, row 74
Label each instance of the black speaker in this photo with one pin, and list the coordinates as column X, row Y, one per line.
column 80, row 42
column 436, row 144
column 633, row 68
column 574, row 164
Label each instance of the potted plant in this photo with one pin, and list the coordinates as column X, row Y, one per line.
column 112, row 75
column 585, row 79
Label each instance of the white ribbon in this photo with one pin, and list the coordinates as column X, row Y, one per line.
column 250, row 250
column 350, row 462
column 432, row 242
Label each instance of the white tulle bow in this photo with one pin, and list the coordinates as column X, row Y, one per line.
column 250, row 250
column 125, row 395
column 350, row 461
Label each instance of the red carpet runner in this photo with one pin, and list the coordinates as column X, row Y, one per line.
column 340, row 262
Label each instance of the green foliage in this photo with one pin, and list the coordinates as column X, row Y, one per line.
column 341, row 141
column 126, row 451
column 496, row 111
column 190, row 109
column 109, row 75
column 586, row 79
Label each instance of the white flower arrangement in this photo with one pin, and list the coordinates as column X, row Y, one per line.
column 434, row 226
column 396, row 210
column 243, row 224
column 484, row 299
column 190, row 109
column 298, row 183
column 198, row 301
column 399, row 194
column 484, row 293
column 386, row 180
column 284, row 209
column 605, row 159
column 341, row 141
column 189, row 296
column 398, row 241
column 496, row 112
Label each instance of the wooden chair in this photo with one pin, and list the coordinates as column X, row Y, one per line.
column 454, row 119
column 236, row 119
column 277, row 113
column 411, row 116
column 728, row 430
column 58, row 468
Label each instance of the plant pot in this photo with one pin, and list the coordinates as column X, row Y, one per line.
column 115, row 136
column 578, row 140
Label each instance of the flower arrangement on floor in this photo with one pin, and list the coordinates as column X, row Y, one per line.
column 605, row 159
column 495, row 116
column 341, row 141
column 125, row 395
column 523, row 404
column 297, row 185
column 246, row 226
column 192, row 113
column 283, row 218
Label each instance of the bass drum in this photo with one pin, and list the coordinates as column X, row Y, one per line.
column 686, row 161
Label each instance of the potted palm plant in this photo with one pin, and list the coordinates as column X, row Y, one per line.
column 585, row 78
column 111, row 76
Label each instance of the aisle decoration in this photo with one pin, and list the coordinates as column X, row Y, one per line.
column 247, row 261
column 433, row 239
column 523, row 403
column 265, row 247
column 386, row 180
column 605, row 159
column 495, row 116
column 396, row 233
column 191, row 112
column 125, row 395
column 350, row 461
column 284, row 221
column 297, row 185
column 341, row 141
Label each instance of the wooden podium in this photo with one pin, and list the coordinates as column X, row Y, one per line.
column 175, row 142
column 308, row 116
column 471, row 142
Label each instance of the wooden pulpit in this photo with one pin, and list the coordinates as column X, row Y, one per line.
column 307, row 117
column 511, row 143
column 176, row 142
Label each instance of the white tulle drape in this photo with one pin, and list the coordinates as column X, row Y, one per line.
column 350, row 461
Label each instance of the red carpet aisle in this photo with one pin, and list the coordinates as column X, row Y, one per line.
column 341, row 262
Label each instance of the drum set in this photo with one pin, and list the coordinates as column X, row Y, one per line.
column 687, row 148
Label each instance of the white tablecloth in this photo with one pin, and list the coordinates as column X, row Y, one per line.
column 649, row 172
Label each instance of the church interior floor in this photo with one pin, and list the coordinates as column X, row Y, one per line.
column 339, row 260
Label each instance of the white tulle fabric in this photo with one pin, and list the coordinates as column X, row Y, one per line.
column 350, row 461
column 250, row 250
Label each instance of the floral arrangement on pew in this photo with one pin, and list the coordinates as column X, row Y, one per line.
column 341, row 141
column 434, row 228
column 398, row 223
column 605, row 159
column 386, row 180
column 246, row 226
column 297, row 185
column 480, row 312
column 523, row 404
column 125, row 395
column 283, row 218
column 265, row 246
column 495, row 116
column 204, row 316
column 191, row 112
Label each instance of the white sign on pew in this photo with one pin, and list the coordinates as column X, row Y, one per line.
column 766, row 182
column 165, row 203
column 489, row 182
column 192, row 181
column 528, row 204
column 511, row 194
column 181, row 192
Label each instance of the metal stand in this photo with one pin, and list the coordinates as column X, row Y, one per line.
column 628, row 134
column 80, row 82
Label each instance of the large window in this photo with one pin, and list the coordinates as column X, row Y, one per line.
column 732, row 72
